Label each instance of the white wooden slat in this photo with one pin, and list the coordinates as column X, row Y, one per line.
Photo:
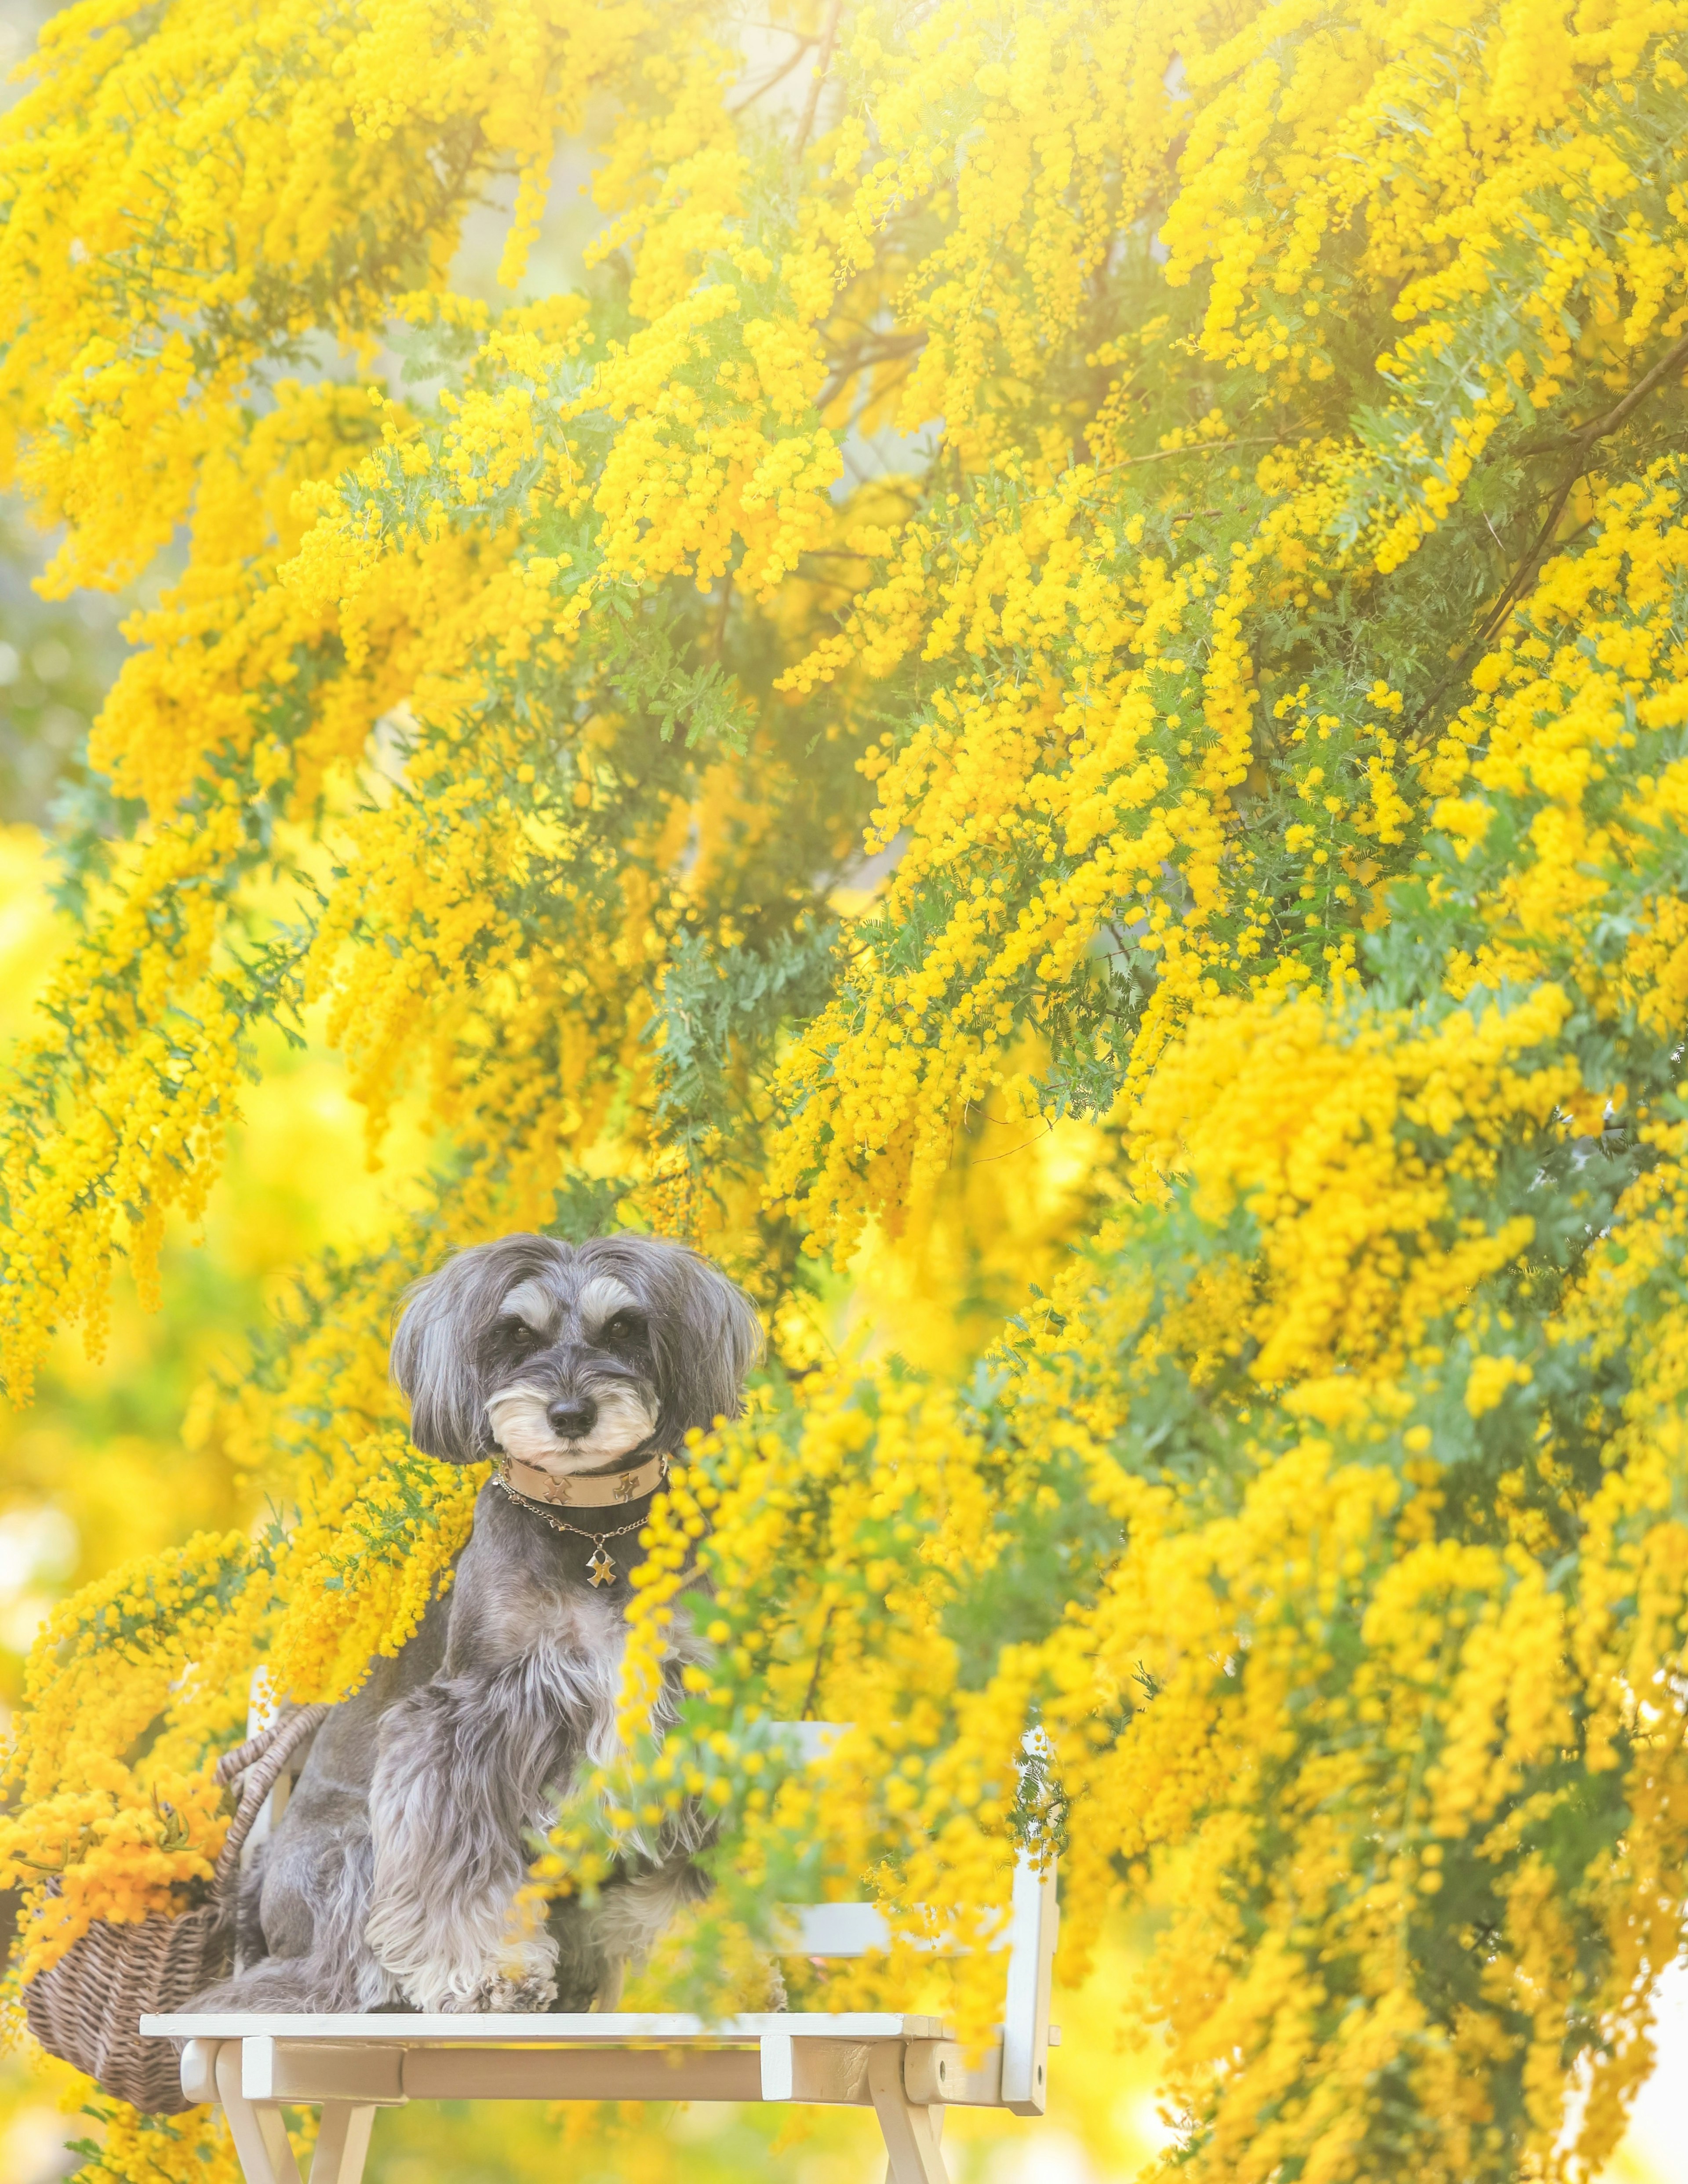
column 835, row 1930
column 555, row 2028
column 858, row 1929
column 1032, row 1928
column 813, row 1739
column 262, row 1704
column 775, row 2066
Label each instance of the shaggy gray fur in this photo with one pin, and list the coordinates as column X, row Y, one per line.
column 388, row 1881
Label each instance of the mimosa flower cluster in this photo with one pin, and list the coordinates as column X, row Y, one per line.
column 1181, row 879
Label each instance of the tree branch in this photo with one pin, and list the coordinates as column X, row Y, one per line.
column 864, row 356
column 778, row 76
column 1585, row 436
column 1194, row 447
column 823, row 61
column 1580, row 439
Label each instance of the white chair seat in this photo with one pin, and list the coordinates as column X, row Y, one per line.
column 907, row 2069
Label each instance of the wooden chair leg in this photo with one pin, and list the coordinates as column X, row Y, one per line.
column 912, row 2130
column 343, row 2143
column 261, row 2137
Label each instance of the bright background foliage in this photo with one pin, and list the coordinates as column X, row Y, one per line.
column 1031, row 677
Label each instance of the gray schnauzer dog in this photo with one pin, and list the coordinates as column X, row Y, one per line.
column 389, row 1880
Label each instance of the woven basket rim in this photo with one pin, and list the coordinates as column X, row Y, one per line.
column 85, row 2007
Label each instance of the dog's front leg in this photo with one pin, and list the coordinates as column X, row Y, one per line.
column 461, row 1776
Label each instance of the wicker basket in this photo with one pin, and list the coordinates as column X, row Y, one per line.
column 86, row 2009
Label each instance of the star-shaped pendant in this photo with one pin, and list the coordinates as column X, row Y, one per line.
column 600, row 1568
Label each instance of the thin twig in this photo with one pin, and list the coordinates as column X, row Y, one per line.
column 814, row 1690
column 1581, row 440
column 1585, row 436
column 1514, row 591
column 894, row 349
column 779, row 75
column 823, row 61
column 1526, row 568
column 1194, row 447
column 990, row 1159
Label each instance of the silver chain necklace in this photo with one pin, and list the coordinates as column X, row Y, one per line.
column 600, row 1564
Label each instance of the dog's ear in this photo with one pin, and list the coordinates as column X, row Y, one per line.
column 432, row 1364
column 436, row 1346
column 714, row 1338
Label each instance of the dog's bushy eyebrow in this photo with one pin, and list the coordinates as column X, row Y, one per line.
column 533, row 1302
column 602, row 1297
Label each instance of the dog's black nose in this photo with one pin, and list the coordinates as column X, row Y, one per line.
column 571, row 1416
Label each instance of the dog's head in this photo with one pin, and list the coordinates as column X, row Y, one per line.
column 569, row 1356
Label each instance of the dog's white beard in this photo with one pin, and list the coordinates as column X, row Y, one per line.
column 522, row 1430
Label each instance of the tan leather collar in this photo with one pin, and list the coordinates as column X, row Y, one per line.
column 578, row 1493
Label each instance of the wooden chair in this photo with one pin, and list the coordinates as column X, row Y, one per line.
column 907, row 2069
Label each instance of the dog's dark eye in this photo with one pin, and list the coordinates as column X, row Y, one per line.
column 518, row 1333
column 625, row 1326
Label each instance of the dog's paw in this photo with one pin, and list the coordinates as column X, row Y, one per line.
column 538, row 1991
column 521, row 1973
column 501, row 1992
